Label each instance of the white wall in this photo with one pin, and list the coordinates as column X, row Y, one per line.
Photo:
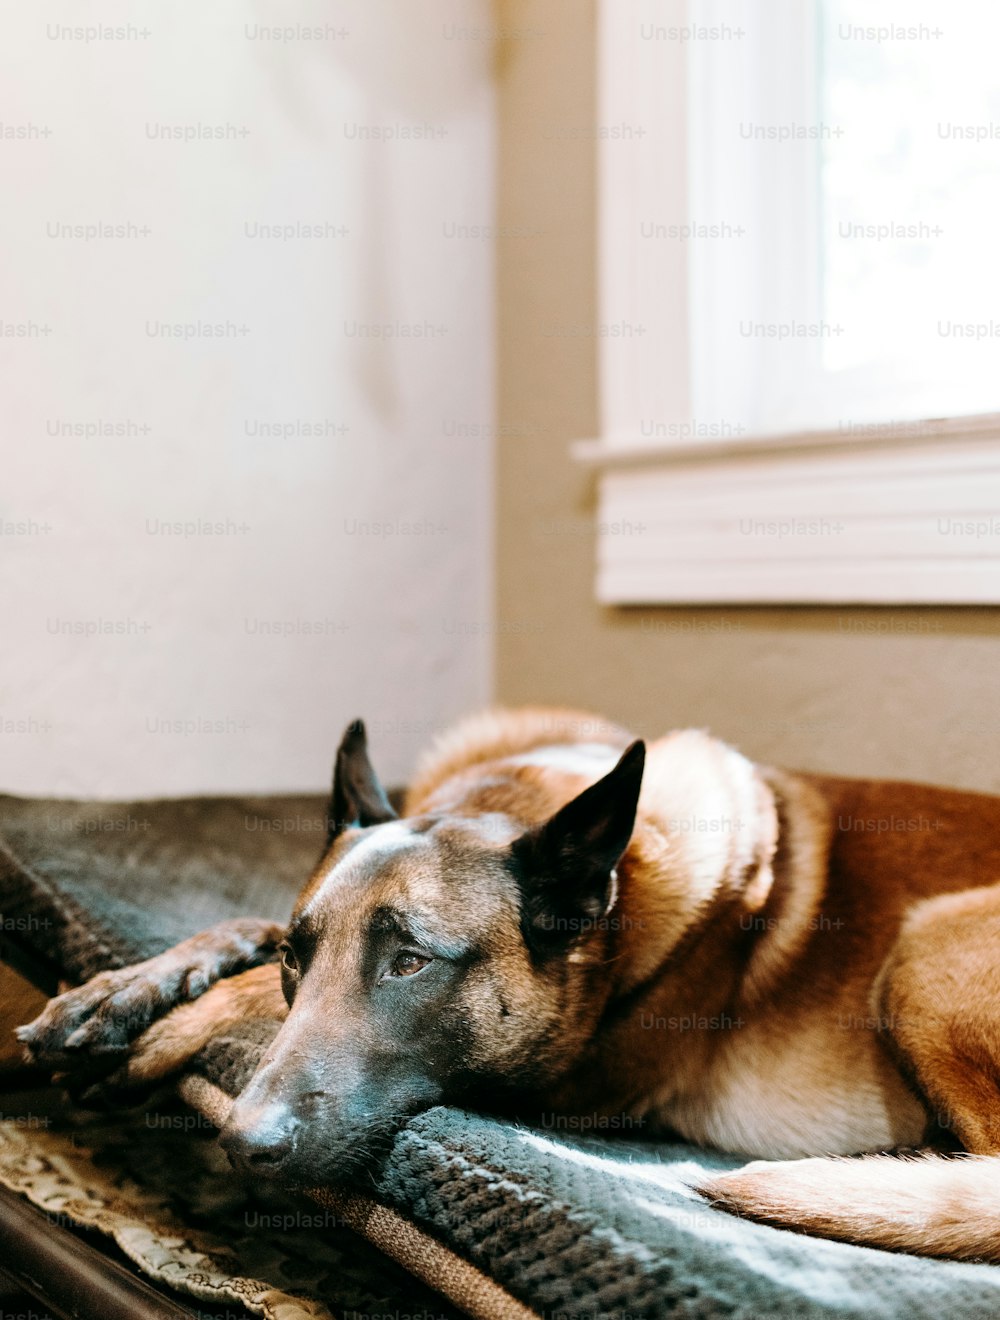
column 404, row 636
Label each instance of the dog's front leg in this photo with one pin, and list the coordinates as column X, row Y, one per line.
column 100, row 1019
column 252, row 998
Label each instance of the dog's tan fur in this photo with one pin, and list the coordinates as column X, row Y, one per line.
column 796, row 966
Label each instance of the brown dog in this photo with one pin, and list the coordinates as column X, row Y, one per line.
column 778, row 965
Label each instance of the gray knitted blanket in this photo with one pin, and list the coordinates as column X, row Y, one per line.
column 572, row 1225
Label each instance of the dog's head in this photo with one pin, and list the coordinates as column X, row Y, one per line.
column 434, row 959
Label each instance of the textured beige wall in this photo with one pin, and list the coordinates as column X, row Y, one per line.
column 912, row 694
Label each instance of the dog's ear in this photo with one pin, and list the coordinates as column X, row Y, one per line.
column 358, row 797
column 566, row 867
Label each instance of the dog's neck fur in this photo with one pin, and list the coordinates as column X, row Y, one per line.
column 735, row 896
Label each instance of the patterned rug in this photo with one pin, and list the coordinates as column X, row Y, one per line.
column 156, row 1182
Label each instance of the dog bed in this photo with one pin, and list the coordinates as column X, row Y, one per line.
column 505, row 1220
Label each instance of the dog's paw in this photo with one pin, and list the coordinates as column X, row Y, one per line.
column 98, row 1021
column 99, row 1017
column 103, row 1016
column 252, row 997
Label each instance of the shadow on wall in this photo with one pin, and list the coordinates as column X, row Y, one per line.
column 416, row 72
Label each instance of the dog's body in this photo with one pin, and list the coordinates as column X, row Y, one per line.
column 777, row 965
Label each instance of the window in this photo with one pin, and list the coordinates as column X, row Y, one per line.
column 847, row 156
column 799, row 286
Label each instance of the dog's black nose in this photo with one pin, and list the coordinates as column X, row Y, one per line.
column 261, row 1139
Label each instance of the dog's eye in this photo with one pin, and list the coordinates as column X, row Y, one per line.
column 288, row 959
column 407, row 963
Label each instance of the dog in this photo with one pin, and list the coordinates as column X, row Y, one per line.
column 790, row 967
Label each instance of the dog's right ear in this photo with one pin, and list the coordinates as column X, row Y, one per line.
column 358, row 797
column 566, row 867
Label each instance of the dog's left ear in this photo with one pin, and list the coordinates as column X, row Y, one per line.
column 358, row 797
column 566, row 867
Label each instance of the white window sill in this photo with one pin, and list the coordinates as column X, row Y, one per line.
column 904, row 514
